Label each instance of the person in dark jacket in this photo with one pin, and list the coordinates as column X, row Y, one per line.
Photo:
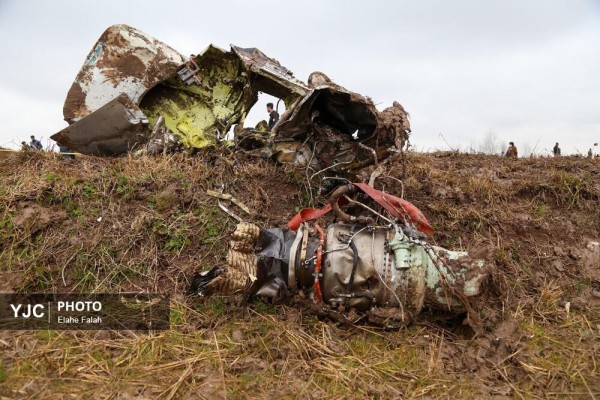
column 36, row 144
column 273, row 116
column 556, row 150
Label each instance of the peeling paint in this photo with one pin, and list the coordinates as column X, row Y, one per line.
column 94, row 56
column 104, row 76
column 201, row 98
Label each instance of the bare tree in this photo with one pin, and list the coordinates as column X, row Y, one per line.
column 503, row 147
column 489, row 145
column 527, row 150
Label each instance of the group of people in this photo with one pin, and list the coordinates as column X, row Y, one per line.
column 34, row 144
column 512, row 152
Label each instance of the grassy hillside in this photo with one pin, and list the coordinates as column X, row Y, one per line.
column 131, row 224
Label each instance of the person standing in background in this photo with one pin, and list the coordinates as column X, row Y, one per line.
column 36, row 144
column 273, row 116
column 512, row 151
column 556, row 150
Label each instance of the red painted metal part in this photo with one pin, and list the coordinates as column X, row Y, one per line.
column 396, row 206
column 317, row 271
column 307, row 214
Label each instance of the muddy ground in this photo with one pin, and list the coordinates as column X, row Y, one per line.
column 130, row 224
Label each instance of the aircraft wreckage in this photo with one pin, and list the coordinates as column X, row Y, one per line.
column 134, row 92
column 375, row 262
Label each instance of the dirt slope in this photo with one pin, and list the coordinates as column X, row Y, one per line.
column 147, row 224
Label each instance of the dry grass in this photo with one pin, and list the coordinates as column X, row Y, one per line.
column 158, row 226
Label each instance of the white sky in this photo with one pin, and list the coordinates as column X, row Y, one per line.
column 527, row 69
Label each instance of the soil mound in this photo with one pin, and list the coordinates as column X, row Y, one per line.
column 131, row 224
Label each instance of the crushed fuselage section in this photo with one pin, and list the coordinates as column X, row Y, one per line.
column 202, row 100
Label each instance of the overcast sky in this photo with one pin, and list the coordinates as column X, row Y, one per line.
column 529, row 69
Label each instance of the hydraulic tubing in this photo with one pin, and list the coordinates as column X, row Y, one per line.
column 317, row 272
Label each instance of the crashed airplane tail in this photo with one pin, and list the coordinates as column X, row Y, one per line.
column 133, row 89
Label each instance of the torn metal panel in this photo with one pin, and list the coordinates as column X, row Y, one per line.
column 123, row 60
column 202, row 112
column 347, row 113
column 227, row 196
column 199, row 99
column 270, row 76
column 344, row 129
column 114, row 128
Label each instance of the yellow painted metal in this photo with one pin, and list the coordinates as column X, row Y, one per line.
column 200, row 114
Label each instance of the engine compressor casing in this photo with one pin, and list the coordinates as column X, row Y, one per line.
column 385, row 268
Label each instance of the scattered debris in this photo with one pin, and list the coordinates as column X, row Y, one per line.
column 368, row 262
column 472, row 201
column 134, row 92
column 230, row 213
column 229, row 197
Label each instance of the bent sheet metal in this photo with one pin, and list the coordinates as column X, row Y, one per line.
column 368, row 264
column 204, row 99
